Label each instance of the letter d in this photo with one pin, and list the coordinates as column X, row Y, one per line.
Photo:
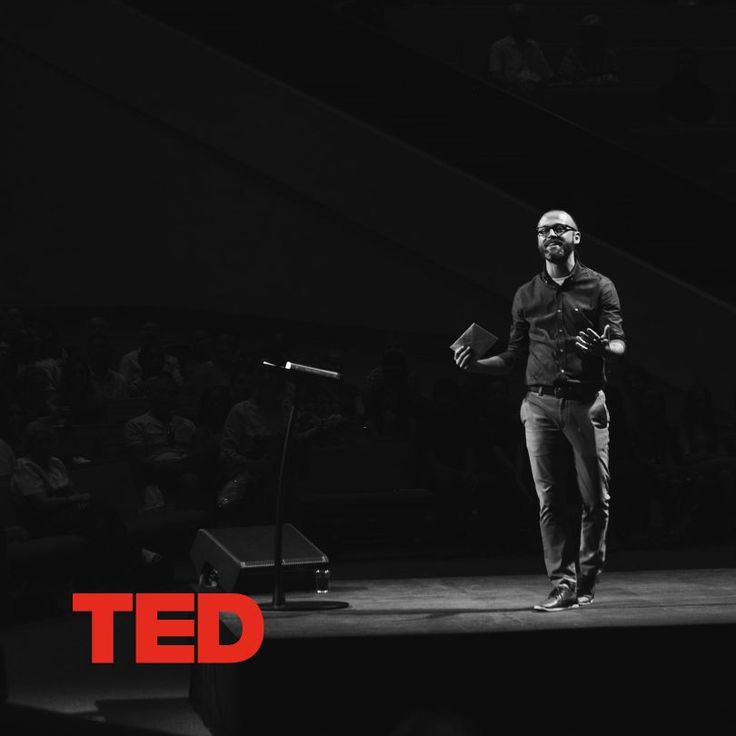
column 209, row 608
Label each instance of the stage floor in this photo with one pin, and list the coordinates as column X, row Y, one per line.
column 650, row 650
column 656, row 648
column 491, row 604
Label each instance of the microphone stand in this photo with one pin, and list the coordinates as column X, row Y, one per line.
column 278, row 600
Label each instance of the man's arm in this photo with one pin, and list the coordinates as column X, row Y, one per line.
column 602, row 346
column 610, row 344
column 504, row 363
column 493, row 366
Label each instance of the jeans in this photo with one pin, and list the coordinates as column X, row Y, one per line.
column 548, row 422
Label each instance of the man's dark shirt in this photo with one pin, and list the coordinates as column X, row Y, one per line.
column 545, row 321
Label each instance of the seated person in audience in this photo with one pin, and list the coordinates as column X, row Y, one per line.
column 7, row 459
column 444, row 433
column 107, row 384
column 8, row 532
column 12, row 421
column 8, row 365
column 77, row 392
column 13, row 324
column 345, row 394
column 654, row 453
column 250, row 450
column 98, row 328
column 498, row 457
column 699, row 430
column 591, row 60
column 251, row 446
column 49, row 353
column 218, row 369
column 163, row 457
column 391, row 399
column 153, row 361
column 686, row 98
column 48, row 505
column 195, row 354
column 32, row 390
column 710, row 469
column 242, row 382
column 130, row 366
column 516, row 60
column 331, row 403
column 213, row 410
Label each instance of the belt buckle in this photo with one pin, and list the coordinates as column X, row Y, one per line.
column 558, row 391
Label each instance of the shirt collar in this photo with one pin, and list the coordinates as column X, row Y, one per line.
column 574, row 274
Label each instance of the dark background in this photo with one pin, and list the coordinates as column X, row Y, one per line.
column 315, row 175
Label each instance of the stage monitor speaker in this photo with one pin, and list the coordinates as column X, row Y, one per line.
column 240, row 559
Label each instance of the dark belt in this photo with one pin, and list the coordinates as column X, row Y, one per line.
column 581, row 393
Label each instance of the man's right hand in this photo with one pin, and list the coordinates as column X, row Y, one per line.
column 465, row 358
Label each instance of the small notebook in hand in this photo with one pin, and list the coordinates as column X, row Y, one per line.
column 477, row 338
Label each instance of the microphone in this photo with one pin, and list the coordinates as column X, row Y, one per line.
column 321, row 372
column 301, row 368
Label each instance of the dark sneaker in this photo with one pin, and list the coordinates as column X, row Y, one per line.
column 586, row 592
column 560, row 599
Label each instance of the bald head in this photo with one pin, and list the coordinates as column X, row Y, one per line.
column 553, row 217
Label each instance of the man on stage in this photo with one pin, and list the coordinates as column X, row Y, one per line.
column 567, row 323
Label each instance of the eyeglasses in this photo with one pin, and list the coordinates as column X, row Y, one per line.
column 556, row 229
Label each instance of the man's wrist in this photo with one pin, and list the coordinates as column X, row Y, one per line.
column 613, row 350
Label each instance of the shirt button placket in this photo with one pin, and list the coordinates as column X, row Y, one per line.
column 560, row 331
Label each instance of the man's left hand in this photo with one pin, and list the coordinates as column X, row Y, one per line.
column 589, row 342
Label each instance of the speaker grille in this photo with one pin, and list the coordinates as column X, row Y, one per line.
column 242, row 554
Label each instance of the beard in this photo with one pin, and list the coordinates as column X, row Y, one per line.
column 556, row 254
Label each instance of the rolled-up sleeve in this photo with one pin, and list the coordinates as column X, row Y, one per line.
column 518, row 344
column 610, row 312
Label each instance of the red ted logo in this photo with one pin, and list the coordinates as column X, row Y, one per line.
column 149, row 627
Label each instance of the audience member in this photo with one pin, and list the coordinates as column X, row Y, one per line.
column 77, row 392
column 686, row 98
column 591, row 59
column 107, row 384
column 48, row 505
column 711, row 471
column 346, row 395
column 12, row 422
column 516, row 60
column 33, row 389
column 658, row 478
column 218, row 369
column 252, row 444
column 242, row 382
column 498, row 455
column 445, row 463
column 164, row 460
column 200, row 352
column 391, row 399
column 213, row 410
column 13, row 324
column 252, row 441
column 155, row 358
column 97, row 326
column 7, row 458
column 333, row 403
column 8, row 366
column 49, row 353
column 97, row 329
